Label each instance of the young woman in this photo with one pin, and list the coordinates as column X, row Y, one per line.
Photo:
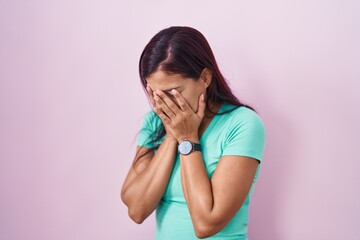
column 199, row 149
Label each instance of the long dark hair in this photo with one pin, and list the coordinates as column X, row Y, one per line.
column 184, row 51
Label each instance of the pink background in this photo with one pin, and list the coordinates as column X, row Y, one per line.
column 71, row 105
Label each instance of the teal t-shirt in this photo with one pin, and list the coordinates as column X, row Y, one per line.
column 240, row 132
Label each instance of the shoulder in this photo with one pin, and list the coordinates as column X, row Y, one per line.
column 243, row 117
column 244, row 133
column 151, row 120
column 150, row 115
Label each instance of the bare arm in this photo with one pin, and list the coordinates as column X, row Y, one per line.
column 146, row 182
column 214, row 202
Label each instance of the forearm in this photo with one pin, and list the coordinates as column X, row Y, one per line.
column 197, row 187
column 145, row 191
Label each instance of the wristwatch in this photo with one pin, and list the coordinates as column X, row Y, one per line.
column 185, row 147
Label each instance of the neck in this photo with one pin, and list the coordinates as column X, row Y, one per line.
column 214, row 108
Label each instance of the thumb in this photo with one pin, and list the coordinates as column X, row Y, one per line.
column 201, row 109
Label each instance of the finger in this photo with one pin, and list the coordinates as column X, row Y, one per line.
column 183, row 104
column 160, row 103
column 168, row 101
column 151, row 95
column 201, row 109
column 162, row 115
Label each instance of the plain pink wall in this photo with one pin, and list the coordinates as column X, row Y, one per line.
column 71, row 105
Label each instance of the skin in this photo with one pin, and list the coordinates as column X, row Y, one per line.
column 212, row 202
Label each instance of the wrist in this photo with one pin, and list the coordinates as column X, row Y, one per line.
column 170, row 139
column 192, row 138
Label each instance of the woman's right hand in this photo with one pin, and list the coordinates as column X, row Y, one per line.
column 153, row 105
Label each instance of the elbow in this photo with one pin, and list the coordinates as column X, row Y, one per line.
column 207, row 229
column 202, row 234
column 204, row 231
column 136, row 215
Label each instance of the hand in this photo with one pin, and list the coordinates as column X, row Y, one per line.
column 179, row 119
column 151, row 96
column 153, row 105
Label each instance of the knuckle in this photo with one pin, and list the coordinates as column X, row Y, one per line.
column 171, row 114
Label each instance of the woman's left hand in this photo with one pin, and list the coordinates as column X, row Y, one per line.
column 179, row 118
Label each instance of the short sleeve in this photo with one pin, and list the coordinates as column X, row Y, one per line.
column 246, row 135
column 148, row 130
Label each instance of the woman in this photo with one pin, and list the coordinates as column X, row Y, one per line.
column 199, row 149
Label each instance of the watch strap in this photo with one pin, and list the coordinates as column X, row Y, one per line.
column 196, row 147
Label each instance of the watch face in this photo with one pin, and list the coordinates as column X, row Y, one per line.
column 185, row 147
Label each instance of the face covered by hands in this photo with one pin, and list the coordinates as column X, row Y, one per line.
column 178, row 117
column 179, row 102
